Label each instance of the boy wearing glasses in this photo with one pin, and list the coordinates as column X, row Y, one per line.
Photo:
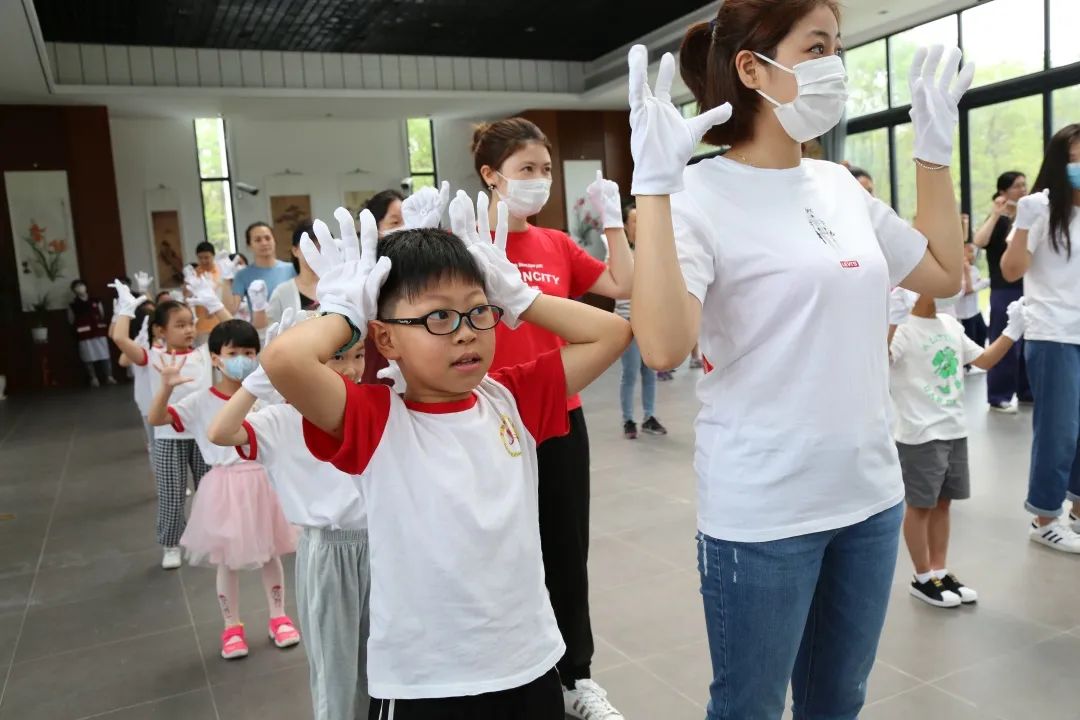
column 461, row 624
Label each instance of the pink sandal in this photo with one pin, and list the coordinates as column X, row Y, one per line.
column 283, row 632
column 233, row 645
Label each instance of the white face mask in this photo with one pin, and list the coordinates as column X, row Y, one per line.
column 525, row 198
column 819, row 104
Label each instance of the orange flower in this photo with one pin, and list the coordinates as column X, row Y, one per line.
column 58, row 246
column 37, row 233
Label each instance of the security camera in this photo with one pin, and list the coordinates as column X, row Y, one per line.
column 406, row 185
column 245, row 188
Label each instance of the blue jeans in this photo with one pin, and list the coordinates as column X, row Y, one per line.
column 1054, row 369
column 807, row 608
column 1009, row 377
column 631, row 366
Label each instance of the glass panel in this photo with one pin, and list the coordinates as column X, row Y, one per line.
column 1066, row 107
column 905, row 170
column 210, row 140
column 1064, row 19
column 421, row 157
column 422, row 181
column 1006, row 136
column 870, row 152
column 1004, row 39
column 217, row 214
column 868, row 81
column 902, row 49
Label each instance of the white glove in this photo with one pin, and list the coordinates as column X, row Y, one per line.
column 1017, row 324
column 392, row 372
column 425, row 207
column 143, row 338
column 204, row 294
column 502, row 278
column 189, row 274
column 125, row 301
column 1031, row 208
column 901, row 303
column 257, row 383
column 934, row 101
column 604, row 197
column 349, row 279
column 143, row 281
column 226, row 267
column 177, row 295
column 258, row 296
column 662, row 141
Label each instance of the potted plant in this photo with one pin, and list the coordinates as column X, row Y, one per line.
column 39, row 310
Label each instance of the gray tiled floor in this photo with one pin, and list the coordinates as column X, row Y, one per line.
column 91, row 628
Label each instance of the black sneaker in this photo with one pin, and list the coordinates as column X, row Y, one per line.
column 933, row 592
column 629, row 430
column 653, row 427
column 962, row 591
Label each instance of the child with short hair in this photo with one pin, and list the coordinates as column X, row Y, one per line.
column 461, row 622
column 236, row 521
column 332, row 578
column 928, row 353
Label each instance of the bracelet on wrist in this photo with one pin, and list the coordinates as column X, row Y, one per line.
column 932, row 167
column 357, row 336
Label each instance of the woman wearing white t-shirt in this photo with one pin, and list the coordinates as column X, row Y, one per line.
column 767, row 257
column 299, row 292
column 1041, row 251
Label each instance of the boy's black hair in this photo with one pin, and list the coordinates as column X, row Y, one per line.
column 144, row 309
column 420, row 258
column 205, row 246
column 76, row 281
column 164, row 310
column 236, row 332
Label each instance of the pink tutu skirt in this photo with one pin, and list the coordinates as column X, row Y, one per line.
column 236, row 520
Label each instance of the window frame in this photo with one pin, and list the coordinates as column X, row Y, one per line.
column 413, row 174
column 227, row 179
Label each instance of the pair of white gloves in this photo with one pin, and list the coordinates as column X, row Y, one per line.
column 204, row 292
column 662, row 141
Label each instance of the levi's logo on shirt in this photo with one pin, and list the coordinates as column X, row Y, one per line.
column 849, row 264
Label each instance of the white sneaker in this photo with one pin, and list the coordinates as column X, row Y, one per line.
column 172, row 559
column 1056, row 535
column 1074, row 521
column 588, row 701
column 1005, row 407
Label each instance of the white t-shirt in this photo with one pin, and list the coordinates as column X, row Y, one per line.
column 142, row 382
column 193, row 414
column 458, row 601
column 1052, row 285
column 927, row 379
column 793, row 269
column 198, row 367
column 312, row 493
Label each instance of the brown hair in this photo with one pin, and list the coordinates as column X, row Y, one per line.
column 494, row 142
column 707, row 57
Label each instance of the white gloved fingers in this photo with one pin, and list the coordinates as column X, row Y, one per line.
column 916, row 69
column 350, row 242
column 271, row 333
column 638, row 62
column 502, row 226
column 312, row 255
column 328, row 247
column 933, row 59
column 369, row 240
column 664, row 77
column 704, row 122
column 483, row 221
column 288, row 319
column 444, row 197
column 463, row 217
column 950, row 70
column 963, row 81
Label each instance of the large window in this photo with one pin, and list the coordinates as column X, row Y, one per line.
column 421, row 152
column 1066, row 107
column 1004, row 39
column 902, row 50
column 1008, row 136
column 905, row 170
column 868, row 79
column 215, row 183
column 1064, row 20
column 870, row 152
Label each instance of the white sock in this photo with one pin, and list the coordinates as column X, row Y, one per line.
column 939, row 574
column 924, row 577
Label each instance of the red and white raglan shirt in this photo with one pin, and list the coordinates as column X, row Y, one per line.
column 197, row 367
column 458, row 601
column 313, row 493
column 193, row 415
column 551, row 262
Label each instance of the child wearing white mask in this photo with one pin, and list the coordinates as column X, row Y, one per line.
column 87, row 315
column 760, row 254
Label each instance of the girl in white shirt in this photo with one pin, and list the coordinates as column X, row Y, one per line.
column 1043, row 252
column 761, row 255
column 298, row 293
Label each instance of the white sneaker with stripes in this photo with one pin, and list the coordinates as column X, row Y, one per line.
column 1056, row 535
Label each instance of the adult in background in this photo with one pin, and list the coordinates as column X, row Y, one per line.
column 206, row 267
column 87, row 316
column 865, row 179
column 1041, row 251
column 1007, row 379
column 764, row 257
column 266, row 267
column 299, row 292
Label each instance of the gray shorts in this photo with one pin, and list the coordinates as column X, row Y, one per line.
column 935, row 470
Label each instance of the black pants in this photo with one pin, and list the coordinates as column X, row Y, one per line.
column 975, row 328
column 539, row 700
column 564, row 541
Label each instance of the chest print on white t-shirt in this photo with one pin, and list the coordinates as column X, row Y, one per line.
column 822, row 230
column 509, row 436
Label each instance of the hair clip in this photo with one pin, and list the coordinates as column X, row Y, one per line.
column 712, row 26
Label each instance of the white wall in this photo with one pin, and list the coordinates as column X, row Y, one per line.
column 453, row 158
column 148, row 153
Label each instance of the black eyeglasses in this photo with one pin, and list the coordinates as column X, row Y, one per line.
column 447, row 322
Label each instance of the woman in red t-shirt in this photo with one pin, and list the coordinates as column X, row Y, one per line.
column 513, row 159
column 386, row 207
